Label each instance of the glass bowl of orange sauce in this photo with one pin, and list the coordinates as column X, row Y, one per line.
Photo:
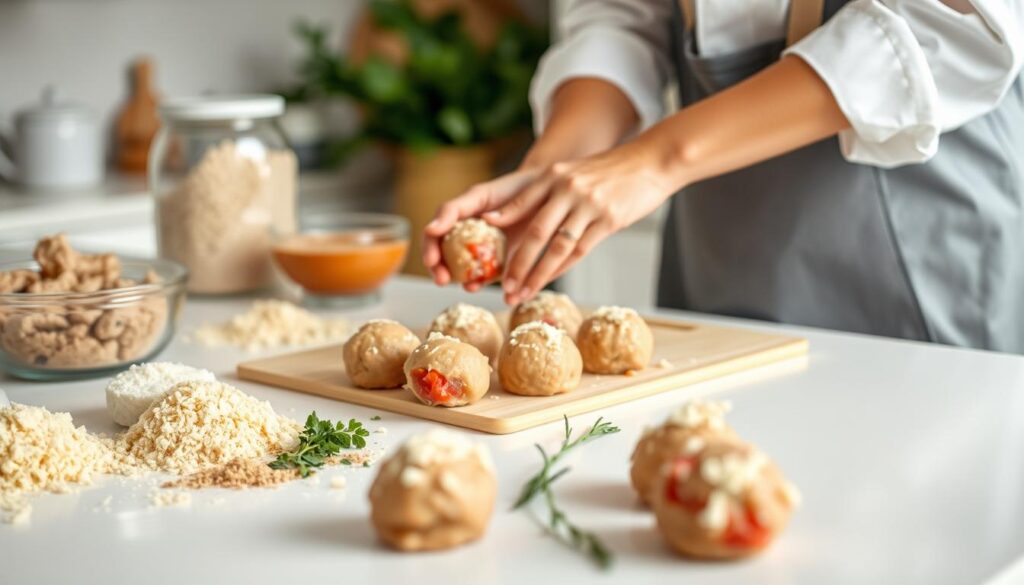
column 340, row 258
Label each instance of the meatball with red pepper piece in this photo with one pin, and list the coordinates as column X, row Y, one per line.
column 447, row 372
column 474, row 252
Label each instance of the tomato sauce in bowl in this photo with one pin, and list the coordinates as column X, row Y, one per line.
column 347, row 254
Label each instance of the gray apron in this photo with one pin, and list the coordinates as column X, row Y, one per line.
column 930, row 251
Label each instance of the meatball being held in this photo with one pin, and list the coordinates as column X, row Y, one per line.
column 474, row 252
column 447, row 372
column 375, row 354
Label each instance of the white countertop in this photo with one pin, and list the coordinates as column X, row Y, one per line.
column 910, row 458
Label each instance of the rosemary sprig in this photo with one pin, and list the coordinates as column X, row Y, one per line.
column 320, row 440
column 558, row 524
column 538, row 483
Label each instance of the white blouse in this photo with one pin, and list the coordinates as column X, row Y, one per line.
column 902, row 71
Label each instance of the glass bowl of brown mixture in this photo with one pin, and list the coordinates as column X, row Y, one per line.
column 68, row 315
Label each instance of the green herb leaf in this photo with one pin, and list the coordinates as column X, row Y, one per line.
column 318, row 441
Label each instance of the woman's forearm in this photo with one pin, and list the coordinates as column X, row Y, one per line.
column 778, row 110
column 588, row 116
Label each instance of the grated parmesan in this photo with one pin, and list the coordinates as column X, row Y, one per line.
column 462, row 316
column 131, row 392
column 273, row 323
column 616, row 314
column 474, row 230
column 700, row 413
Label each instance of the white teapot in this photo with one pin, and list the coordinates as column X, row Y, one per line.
column 54, row 145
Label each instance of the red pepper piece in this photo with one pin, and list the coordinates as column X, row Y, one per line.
column 486, row 268
column 434, row 387
column 745, row 531
column 682, row 467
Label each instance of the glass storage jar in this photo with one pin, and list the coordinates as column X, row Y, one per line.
column 224, row 180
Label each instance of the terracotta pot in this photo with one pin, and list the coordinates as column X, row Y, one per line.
column 428, row 179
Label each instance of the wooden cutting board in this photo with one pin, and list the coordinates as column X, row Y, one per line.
column 692, row 353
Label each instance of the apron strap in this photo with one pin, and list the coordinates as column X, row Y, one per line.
column 804, row 17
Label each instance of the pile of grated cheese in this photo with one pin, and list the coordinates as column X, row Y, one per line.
column 44, row 451
column 199, row 424
column 273, row 323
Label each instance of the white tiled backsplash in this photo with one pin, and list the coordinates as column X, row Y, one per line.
column 84, row 46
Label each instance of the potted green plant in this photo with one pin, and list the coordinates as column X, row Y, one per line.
column 441, row 104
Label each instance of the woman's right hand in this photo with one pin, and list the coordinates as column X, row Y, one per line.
column 478, row 200
column 588, row 116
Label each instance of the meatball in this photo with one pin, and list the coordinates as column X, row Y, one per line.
column 447, row 372
column 438, row 491
column 539, row 360
column 615, row 340
column 474, row 252
column 552, row 308
column 375, row 354
column 685, row 432
column 473, row 325
column 726, row 501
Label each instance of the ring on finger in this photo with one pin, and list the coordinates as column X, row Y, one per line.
column 567, row 234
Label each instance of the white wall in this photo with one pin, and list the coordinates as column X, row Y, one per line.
column 84, row 46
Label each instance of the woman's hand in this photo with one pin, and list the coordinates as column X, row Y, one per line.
column 555, row 215
column 569, row 208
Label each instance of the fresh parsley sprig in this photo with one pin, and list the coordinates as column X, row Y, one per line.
column 558, row 524
column 320, row 440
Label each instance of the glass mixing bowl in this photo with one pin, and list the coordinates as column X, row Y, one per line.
column 66, row 335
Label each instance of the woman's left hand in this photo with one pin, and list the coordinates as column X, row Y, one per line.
column 569, row 207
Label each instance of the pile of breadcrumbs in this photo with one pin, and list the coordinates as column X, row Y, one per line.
column 44, row 451
column 197, row 425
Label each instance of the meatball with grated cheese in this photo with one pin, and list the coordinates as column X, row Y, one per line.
column 375, row 354
column 539, row 360
column 436, row 492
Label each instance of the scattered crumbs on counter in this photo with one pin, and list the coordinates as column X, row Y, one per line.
column 381, row 430
column 494, row 397
column 338, row 482
column 364, row 458
column 272, row 323
column 21, row 516
column 163, row 499
column 104, row 504
column 664, row 364
column 236, row 474
column 314, row 479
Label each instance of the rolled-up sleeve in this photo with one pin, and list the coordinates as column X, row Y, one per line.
column 624, row 42
column 904, row 71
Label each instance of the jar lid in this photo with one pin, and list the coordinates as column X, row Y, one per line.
column 223, row 107
column 51, row 107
